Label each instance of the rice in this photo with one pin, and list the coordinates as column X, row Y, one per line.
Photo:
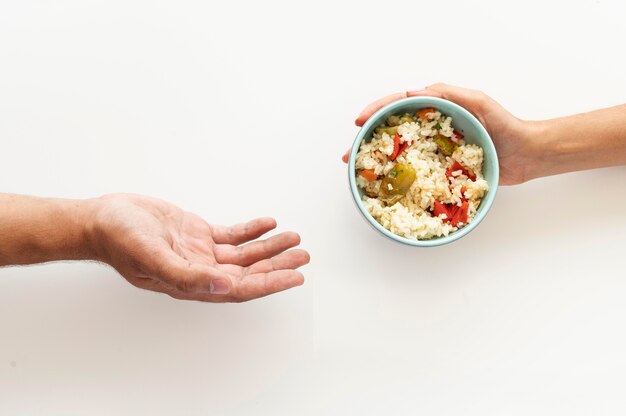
column 422, row 209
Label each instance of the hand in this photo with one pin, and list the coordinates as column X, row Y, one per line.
column 157, row 246
column 511, row 135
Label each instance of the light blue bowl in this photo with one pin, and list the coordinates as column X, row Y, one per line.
column 463, row 121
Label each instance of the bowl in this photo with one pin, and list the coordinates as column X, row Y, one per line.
column 463, row 121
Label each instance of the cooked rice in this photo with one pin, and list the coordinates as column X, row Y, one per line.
column 412, row 216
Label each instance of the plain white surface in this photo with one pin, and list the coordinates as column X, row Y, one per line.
column 235, row 110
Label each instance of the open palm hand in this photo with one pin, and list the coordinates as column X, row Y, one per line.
column 157, row 246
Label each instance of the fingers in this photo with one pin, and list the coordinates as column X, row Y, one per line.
column 476, row 102
column 472, row 100
column 241, row 233
column 424, row 93
column 168, row 267
column 258, row 250
column 377, row 105
column 253, row 286
column 160, row 287
column 291, row 259
column 257, row 285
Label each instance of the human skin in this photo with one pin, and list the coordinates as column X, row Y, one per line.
column 152, row 244
column 533, row 149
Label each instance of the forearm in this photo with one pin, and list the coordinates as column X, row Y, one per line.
column 36, row 230
column 583, row 141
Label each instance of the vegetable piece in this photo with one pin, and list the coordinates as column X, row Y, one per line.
column 401, row 149
column 369, row 175
column 389, row 130
column 454, row 214
column 439, row 208
column 445, row 145
column 394, row 121
column 396, row 147
column 448, row 209
column 424, row 112
column 397, row 182
column 398, row 120
column 456, row 136
column 457, row 166
column 460, row 215
column 406, row 119
column 393, row 199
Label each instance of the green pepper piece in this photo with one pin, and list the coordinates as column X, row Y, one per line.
column 445, row 145
column 406, row 119
column 393, row 199
column 401, row 177
column 393, row 121
column 389, row 130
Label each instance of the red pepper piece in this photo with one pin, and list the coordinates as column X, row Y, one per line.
column 439, row 208
column 424, row 112
column 457, row 135
column 460, row 214
column 464, row 212
column 369, row 175
column 457, row 166
column 454, row 214
column 396, row 147
column 453, row 209
column 401, row 149
column 449, row 209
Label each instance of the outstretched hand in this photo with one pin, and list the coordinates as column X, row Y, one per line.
column 157, row 246
column 510, row 134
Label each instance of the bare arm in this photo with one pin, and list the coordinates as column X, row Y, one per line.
column 584, row 141
column 153, row 244
column 36, row 230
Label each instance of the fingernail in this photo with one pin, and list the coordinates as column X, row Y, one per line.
column 219, row 287
column 415, row 91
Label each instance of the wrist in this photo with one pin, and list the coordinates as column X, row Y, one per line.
column 535, row 133
column 78, row 223
column 91, row 230
column 554, row 148
column 520, row 152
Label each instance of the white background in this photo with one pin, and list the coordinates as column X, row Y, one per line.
column 234, row 110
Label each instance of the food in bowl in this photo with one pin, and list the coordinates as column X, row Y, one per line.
column 419, row 177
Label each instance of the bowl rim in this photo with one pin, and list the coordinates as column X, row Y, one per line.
column 437, row 103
